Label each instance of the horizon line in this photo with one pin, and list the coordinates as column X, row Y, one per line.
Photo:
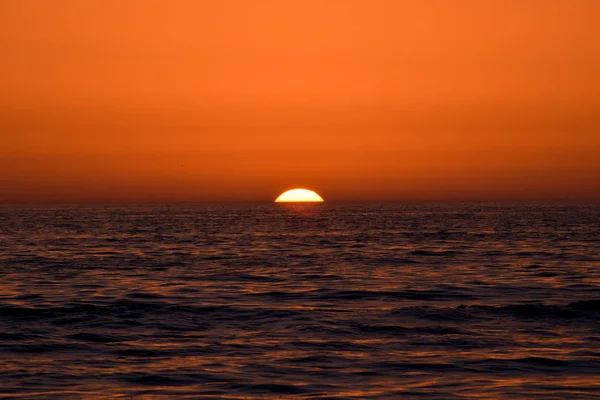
column 177, row 202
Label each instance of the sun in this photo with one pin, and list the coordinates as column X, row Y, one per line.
column 298, row 195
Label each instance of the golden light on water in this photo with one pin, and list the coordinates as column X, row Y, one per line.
column 298, row 195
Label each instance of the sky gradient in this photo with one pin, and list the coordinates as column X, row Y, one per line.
column 145, row 100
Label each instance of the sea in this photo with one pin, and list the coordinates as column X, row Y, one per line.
column 348, row 300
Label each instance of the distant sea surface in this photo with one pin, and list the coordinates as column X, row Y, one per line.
column 315, row 301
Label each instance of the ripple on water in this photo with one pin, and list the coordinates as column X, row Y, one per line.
column 378, row 300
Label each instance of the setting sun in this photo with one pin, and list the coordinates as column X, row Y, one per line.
column 298, row 195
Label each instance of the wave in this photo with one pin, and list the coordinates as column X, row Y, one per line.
column 153, row 305
column 409, row 294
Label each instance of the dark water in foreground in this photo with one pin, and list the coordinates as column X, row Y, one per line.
column 341, row 300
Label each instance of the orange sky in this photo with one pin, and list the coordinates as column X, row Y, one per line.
column 146, row 100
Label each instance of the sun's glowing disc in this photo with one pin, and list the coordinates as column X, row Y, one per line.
column 298, row 195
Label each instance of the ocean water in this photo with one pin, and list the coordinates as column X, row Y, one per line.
column 316, row 301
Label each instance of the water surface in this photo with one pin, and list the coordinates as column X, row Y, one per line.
column 334, row 300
